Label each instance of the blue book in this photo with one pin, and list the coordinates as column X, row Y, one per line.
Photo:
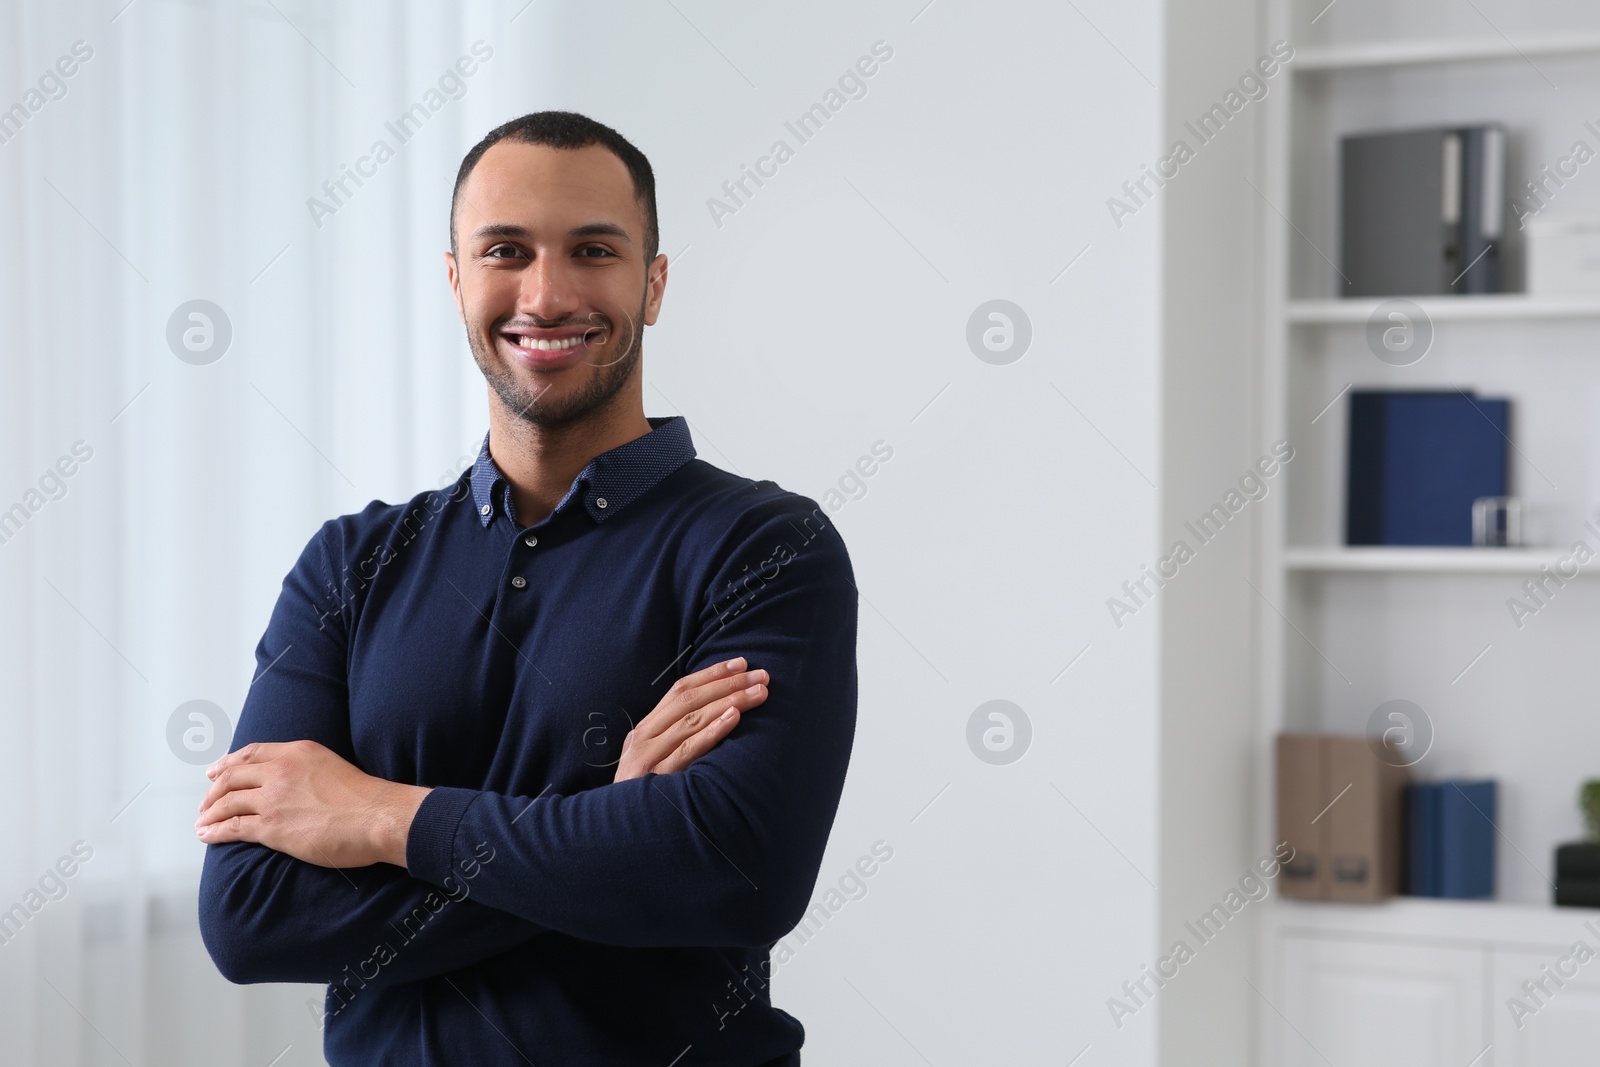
column 1422, row 839
column 1466, row 839
column 1416, row 462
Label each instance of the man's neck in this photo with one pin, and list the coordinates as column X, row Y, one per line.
column 540, row 462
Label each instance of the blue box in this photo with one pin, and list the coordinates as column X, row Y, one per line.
column 1416, row 462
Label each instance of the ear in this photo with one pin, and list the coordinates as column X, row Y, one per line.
column 455, row 284
column 655, row 289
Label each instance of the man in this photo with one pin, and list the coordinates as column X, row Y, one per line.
column 469, row 789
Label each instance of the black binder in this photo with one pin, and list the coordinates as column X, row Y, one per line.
column 1422, row 211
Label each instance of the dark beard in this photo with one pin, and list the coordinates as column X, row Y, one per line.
column 527, row 404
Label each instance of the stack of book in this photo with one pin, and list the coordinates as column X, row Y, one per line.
column 1450, row 832
column 1578, row 875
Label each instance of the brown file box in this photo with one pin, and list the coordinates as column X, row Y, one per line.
column 1342, row 810
column 1300, row 787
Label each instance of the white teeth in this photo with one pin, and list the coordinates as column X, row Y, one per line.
column 548, row 346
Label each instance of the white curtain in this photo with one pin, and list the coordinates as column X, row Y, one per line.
column 152, row 154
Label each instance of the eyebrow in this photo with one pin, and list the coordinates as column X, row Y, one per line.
column 589, row 229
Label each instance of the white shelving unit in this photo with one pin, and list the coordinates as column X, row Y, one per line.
column 1422, row 560
column 1343, row 630
column 1507, row 307
column 1410, row 53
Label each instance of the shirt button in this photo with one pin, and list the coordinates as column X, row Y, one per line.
column 519, row 582
column 600, row 502
column 530, row 541
column 486, row 509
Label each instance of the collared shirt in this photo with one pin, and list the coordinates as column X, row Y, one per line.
column 548, row 913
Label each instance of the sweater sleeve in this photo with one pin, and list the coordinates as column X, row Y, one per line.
column 727, row 851
column 268, row 917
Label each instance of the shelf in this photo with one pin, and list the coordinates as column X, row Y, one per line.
column 1371, row 54
column 1344, row 559
column 1500, row 306
column 1428, row 918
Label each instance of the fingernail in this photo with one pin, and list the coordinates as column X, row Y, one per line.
column 729, row 714
column 754, row 690
column 736, row 664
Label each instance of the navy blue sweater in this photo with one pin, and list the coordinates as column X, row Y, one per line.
column 550, row 915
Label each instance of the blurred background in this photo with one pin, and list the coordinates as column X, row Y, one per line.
column 224, row 318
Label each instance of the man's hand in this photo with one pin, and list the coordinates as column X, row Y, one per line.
column 696, row 714
column 303, row 799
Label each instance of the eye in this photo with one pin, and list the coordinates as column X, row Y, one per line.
column 495, row 252
column 596, row 248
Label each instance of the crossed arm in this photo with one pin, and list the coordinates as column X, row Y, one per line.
column 312, row 862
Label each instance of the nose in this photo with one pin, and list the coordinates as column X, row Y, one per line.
column 549, row 291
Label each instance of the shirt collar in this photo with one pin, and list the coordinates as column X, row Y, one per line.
column 611, row 481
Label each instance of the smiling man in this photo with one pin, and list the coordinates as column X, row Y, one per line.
column 537, row 768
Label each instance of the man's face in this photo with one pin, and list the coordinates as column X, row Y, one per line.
column 550, row 248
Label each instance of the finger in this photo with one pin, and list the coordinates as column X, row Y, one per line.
column 238, row 776
column 678, row 701
column 672, row 725
column 722, row 689
column 715, row 671
column 237, row 802
column 741, row 700
column 700, row 742
column 238, row 828
column 651, row 751
column 687, row 697
column 256, row 751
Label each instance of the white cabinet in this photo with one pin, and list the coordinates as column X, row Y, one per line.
column 1428, row 983
column 1380, row 1005
column 1545, row 1007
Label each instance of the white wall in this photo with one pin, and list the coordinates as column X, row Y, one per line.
column 825, row 315
column 828, row 313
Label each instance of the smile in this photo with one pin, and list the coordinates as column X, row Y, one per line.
column 548, row 346
column 553, row 353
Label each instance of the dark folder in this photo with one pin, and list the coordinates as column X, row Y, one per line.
column 1422, row 211
column 1417, row 461
column 1422, row 845
column 1466, row 839
column 1451, row 847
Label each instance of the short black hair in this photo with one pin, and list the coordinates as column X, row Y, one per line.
column 568, row 129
